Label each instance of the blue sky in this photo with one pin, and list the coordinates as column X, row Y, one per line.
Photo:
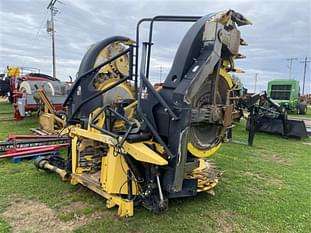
column 281, row 29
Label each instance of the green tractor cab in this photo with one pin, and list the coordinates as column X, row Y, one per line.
column 287, row 94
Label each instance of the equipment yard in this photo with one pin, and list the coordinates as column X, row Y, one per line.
column 163, row 119
column 264, row 188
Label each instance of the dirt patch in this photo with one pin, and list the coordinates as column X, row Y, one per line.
column 225, row 222
column 73, row 206
column 26, row 215
column 255, row 175
column 265, row 181
column 275, row 158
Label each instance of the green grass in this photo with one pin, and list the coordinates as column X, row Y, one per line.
column 14, row 127
column 6, row 110
column 265, row 188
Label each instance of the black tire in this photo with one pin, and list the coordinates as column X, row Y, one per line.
column 302, row 108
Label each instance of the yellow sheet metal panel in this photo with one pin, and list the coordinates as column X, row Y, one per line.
column 143, row 153
column 114, row 174
column 75, row 131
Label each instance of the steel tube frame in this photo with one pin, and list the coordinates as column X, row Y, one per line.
column 160, row 18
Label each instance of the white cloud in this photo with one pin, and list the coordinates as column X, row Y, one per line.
column 281, row 29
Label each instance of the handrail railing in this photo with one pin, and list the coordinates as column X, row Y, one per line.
column 160, row 18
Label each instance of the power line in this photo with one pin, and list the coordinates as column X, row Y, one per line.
column 290, row 60
column 304, row 73
column 40, row 27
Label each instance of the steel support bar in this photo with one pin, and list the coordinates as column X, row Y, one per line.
column 97, row 94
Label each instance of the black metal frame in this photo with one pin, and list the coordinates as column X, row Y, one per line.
column 145, row 68
column 96, row 69
column 108, row 110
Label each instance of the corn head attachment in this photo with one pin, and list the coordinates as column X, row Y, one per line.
column 132, row 143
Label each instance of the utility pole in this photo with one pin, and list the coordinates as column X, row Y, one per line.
column 304, row 74
column 290, row 60
column 256, row 78
column 50, row 29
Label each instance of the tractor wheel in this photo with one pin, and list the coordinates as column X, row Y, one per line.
column 302, row 108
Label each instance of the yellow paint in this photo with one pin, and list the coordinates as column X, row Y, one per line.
column 125, row 207
column 13, row 71
column 100, row 120
column 208, row 187
column 92, row 135
column 119, row 65
column 227, row 77
column 158, row 146
column 202, row 177
column 143, row 153
column 202, row 153
column 130, row 109
column 74, row 153
column 114, row 174
column 130, row 106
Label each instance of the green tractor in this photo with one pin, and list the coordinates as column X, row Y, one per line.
column 287, row 94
